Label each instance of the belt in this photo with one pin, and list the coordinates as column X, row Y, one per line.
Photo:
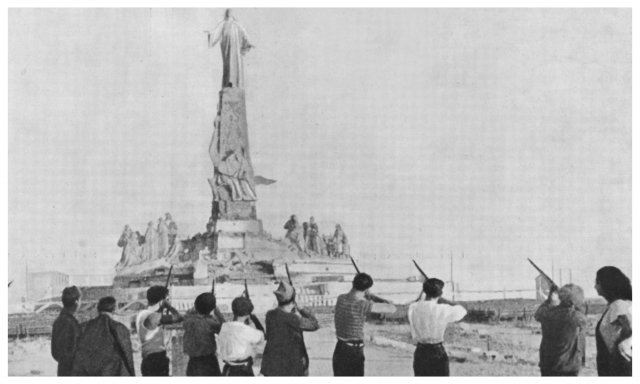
column 238, row 363
column 430, row 344
column 353, row 343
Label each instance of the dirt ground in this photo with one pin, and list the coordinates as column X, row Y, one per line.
column 504, row 349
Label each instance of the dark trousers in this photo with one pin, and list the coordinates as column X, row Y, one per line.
column 550, row 372
column 348, row 360
column 155, row 364
column 239, row 370
column 203, row 366
column 430, row 360
column 65, row 368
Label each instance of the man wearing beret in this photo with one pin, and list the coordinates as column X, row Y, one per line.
column 285, row 353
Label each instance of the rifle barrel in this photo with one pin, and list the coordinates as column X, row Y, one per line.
column 420, row 269
column 550, row 280
column 166, row 285
column 286, row 266
column 354, row 264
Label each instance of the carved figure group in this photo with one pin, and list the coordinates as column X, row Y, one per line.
column 306, row 238
column 159, row 241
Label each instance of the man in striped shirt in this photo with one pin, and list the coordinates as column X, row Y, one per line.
column 350, row 314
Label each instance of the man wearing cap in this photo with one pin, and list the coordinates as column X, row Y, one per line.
column 199, row 342
column 104, row 349
column 428, row 320
column 285, row 353
column 66, row 331
column 351, row 312
column 563, row 324
column 149, row 326
column 238, row 339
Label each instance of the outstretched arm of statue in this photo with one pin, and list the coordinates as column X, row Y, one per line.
column 214, row 37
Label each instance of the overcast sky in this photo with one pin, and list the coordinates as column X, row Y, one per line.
column 503, row 134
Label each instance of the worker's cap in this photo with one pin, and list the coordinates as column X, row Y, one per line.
column 285, row 293
column 571, row 295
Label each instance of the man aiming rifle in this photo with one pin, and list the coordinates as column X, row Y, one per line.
column 285, row 353
column 351, row 311
column 237, row 339
column 149, row 326
column 428, row 321
column 563, row 324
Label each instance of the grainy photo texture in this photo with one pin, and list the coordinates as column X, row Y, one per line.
column 284, row 192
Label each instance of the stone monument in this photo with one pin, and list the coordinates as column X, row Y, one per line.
column 233, row 207
column 234, row 244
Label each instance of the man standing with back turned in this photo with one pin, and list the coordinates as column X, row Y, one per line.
column 66, row 331
column 350, row 314
column 149, row 325
column 428, row 321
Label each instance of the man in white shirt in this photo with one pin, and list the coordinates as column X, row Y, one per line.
column 428, row 321
column 237, row 339
column 149, row 324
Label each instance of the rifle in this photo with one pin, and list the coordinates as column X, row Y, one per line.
column 354, row 264
column 166, row 285
column 286, row 266
column 420, row 269
column 246, row 290
column 373, row 297
column 288, row 274
column 549, row 280
column 213, row 284
column 423, row 275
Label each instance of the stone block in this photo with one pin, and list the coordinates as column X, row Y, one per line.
column 230, row 241
column 239, row 226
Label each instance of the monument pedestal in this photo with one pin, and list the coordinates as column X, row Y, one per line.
column 234, row 200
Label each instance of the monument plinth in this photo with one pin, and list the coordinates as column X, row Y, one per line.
column 232, row 183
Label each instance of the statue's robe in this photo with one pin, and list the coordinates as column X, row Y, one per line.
column 163, row 239
column 150, row 246
column 234, row 43
column 232, row 173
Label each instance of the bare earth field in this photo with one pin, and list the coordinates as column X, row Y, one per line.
column 504, row 349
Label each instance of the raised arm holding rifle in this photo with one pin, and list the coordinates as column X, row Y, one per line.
column 562, row 348
column 216, row 311
column 441, row 300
